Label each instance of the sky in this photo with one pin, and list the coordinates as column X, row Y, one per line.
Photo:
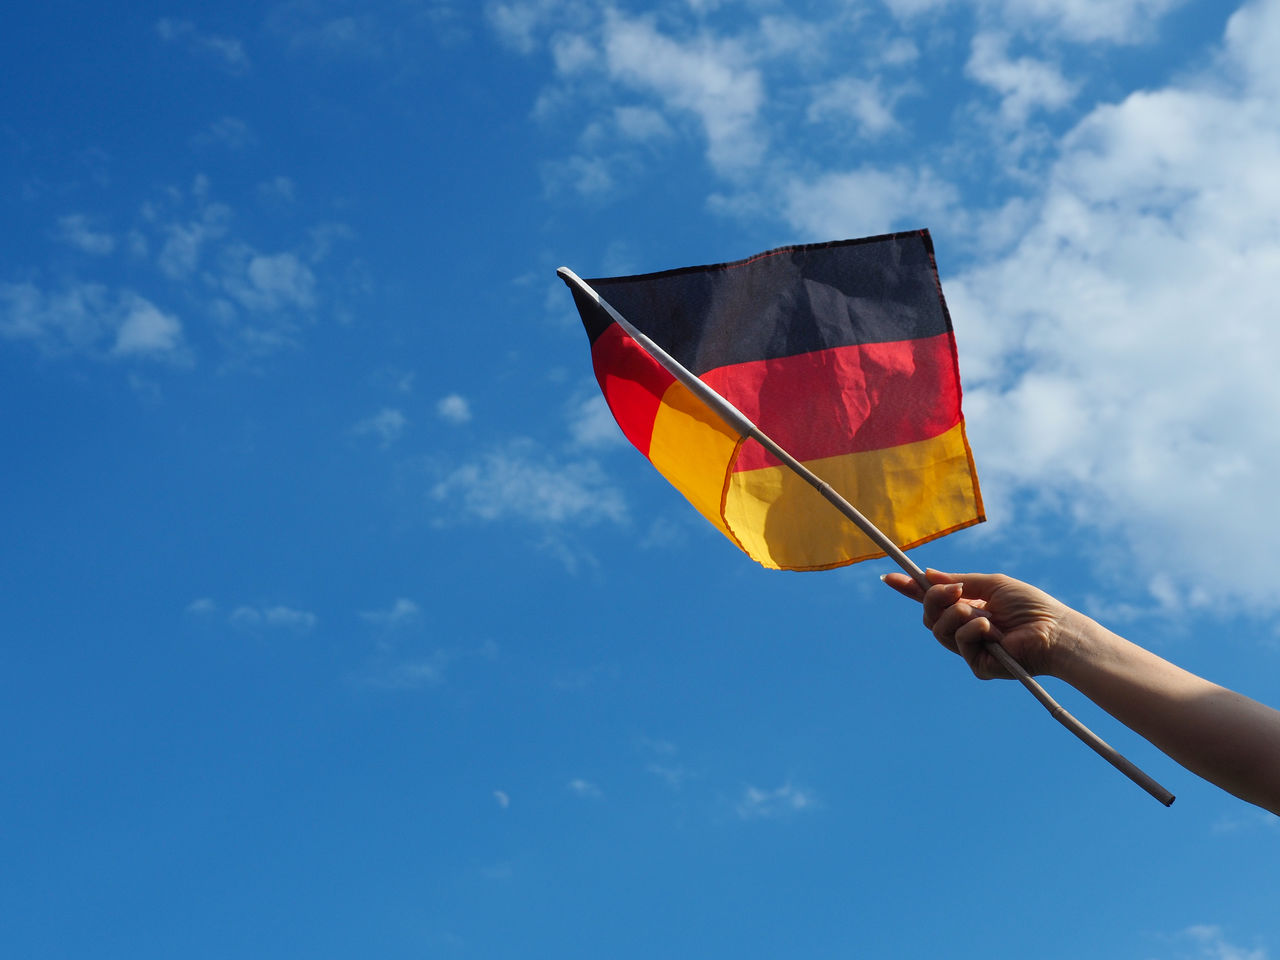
column 337, row 618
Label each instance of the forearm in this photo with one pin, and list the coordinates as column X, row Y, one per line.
column 1227, row 738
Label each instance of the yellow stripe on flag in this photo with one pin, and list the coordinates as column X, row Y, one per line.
column 694, row 449
column 914, row 493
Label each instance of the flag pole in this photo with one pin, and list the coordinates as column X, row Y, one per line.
column 736, row 419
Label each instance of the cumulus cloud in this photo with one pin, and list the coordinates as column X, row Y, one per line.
column 145, row 330
column 1118, row 365
column 270, row 282
column 453, row 409
column 1024, row 84
column 866, row 201
column 709, row 78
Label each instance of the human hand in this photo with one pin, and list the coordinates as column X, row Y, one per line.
column 967, row 611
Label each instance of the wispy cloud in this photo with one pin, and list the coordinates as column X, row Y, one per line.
column 229, row 132
column 386, row 426
column 403, row 611
column 522, row 481
column 227, row 51
column 277, row 617
column 1083, row 21
column 584, row 788
column 412, row 674
column 90, row 319
column 1211, row 943
column 759, row 804
column 77, row 231
column 592, row 426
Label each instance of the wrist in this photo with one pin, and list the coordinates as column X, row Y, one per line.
column 1077, row 648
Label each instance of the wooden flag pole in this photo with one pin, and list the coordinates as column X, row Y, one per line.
column 736, row 419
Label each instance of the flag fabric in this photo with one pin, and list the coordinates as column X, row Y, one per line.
column 843, row 353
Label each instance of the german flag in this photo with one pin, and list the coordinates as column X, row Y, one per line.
column 843, row 353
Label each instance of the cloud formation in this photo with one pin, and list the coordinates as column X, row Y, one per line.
column 1116, row 366
column 759, row 804
column 521, row 481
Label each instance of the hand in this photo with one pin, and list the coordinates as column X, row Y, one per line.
column 966, row 611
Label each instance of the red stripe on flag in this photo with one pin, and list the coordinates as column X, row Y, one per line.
column 633, row 383
column 845, row 400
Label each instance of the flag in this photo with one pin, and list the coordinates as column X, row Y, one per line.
column 843, row 353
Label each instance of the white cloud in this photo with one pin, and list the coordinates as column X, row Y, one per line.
column 641, row 123
column 592, row 425
column 278, row 617
column 1211, row 944
column 586, row 176
column 73, row 318
column 202, row 607
column 410, row 674
column 387, row 426
column 1084, row 21
column 228, row 51
column 85, row 318
column 184, row 242
column 76, row 231
column 758, row 804
column 853, row 98
column 401, row 612
column 584, row 788
column 706, row 77
column 278, row 188
column 1024, row 84
column 572, row 53
column 146, row 330
column 230, row 132
column 866, row 201
column 1119, row 360
column 273, row 282
column 453, row 409
column 519, row 481
column 502, row 798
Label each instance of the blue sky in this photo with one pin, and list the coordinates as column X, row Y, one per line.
column 338, row 620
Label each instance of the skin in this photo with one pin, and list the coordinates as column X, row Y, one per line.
column 1218, row 734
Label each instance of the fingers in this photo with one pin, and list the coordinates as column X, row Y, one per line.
column 907, row 586
column 940, row 598
column 904, row 585
column 971, row 643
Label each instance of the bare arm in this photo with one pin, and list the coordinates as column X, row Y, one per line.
column 1223, row 736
